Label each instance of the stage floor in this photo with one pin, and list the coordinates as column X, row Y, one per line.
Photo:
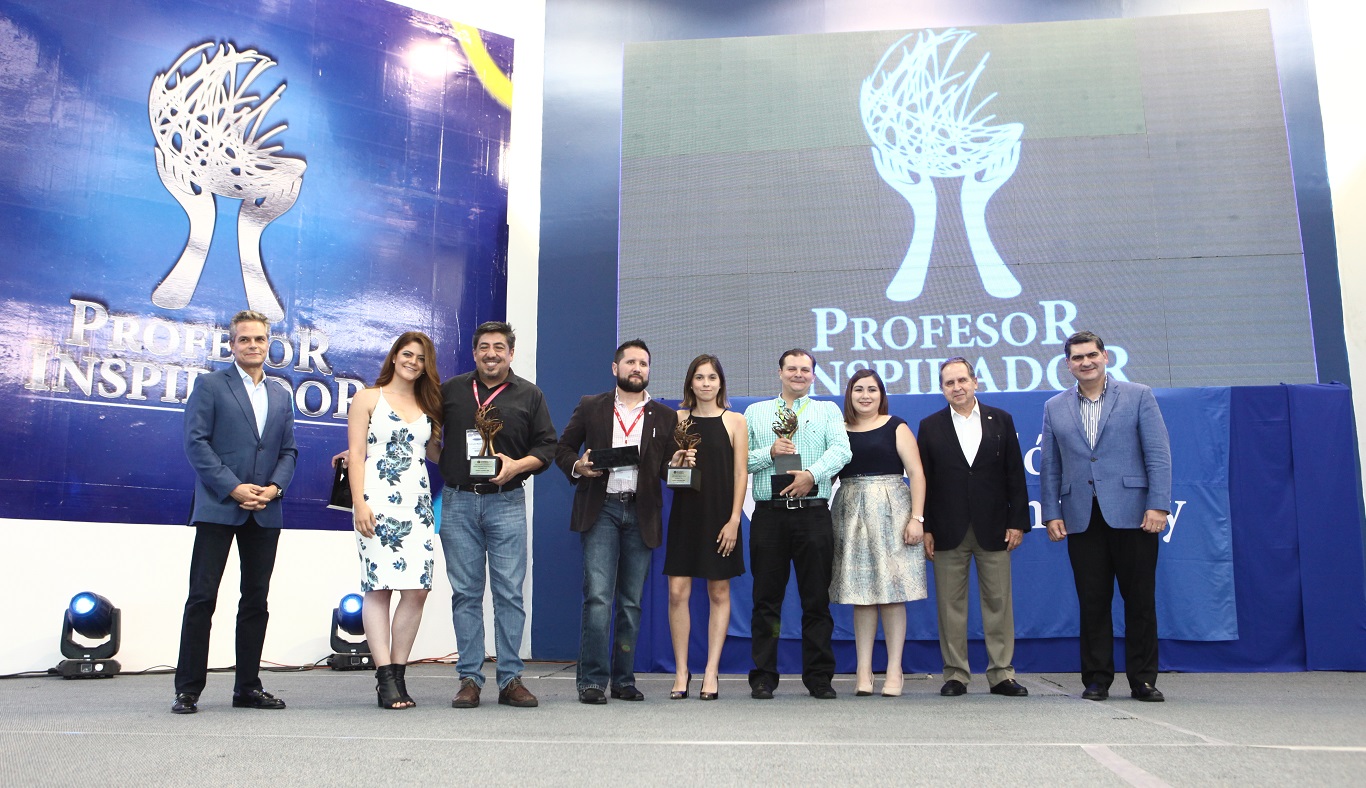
column 1245, row 729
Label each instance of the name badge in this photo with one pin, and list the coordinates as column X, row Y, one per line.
column 474, row 443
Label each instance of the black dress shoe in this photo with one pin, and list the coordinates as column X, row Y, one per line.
column 1147, row 693
column 629, row 692
column 592, row 696
column 1095, row 692
column 953, row 688
column 761, row 691
column 823, row 692
column 185, row 703
column 1010, row 688
column 257, row 699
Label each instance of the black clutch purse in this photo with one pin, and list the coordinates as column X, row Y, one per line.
column 341, row 489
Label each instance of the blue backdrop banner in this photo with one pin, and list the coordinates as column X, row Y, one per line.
column 338, row 166
column 1195, row 594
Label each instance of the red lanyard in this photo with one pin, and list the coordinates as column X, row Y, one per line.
column 474, row 388
column 627, row 430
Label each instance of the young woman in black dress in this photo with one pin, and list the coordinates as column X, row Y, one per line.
column 704, row 525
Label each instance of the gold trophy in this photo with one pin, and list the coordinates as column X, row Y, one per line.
column 784, row 465
column 685, row 478
column 487, row 424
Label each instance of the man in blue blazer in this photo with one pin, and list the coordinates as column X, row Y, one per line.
column 1106, row 487
column 239, row 438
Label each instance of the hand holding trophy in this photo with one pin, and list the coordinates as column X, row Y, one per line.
column 685, row 478
column 785, row 426
column 487, row 423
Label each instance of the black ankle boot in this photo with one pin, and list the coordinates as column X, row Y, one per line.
column 403, row 695
column 386, row 687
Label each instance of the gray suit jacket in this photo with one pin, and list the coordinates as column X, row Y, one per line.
column 224, row 449
column 1130, row 468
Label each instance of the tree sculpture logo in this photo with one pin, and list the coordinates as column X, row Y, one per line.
column 922, row 127
column 209, row 142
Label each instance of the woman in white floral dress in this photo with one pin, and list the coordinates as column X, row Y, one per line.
column 391, row 429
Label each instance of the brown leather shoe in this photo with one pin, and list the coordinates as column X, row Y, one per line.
column 467, row 697
column 516, row 694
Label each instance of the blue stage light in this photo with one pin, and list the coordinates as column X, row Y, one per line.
column 346, row 617
column 91, row 615
column 350, row 614
column 94, row 617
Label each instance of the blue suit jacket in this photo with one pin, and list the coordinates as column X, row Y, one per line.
column 1130, row 469
column 225, row 451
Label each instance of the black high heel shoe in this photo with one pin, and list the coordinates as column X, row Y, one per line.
column 386, row 688
column 683, row 693
column 709, row 695
column 399, row 670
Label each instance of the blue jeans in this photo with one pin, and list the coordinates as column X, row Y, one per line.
column 614, row 560
column 475, row 528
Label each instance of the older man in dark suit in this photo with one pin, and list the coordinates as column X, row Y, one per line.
column 617, row 515
column 239, row 438
column 976, row 508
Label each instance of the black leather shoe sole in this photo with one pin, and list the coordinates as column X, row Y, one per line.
column 761, row 692
column 593, row 697
column 1148, row 694
column 627, row 693
column 953, row 688
column 185, row 704
column 1095, row 693
column 823, row 693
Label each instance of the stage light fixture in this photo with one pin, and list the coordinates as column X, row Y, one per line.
column 346, row 654
column 94, row 617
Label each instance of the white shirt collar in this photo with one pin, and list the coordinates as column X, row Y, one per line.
column 975, row 414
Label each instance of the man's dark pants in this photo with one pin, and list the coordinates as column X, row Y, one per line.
column 1100, row 556
column 803, row 539
column 256, row 547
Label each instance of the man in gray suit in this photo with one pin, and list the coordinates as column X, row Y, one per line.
column 239, row 438
column 1106, row 487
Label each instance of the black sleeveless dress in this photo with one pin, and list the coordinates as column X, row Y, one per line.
column 696, row 517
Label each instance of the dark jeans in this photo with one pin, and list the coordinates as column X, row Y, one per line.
column 803, row 539
column 1100, row 556
column 256, row 548
column 615, row 563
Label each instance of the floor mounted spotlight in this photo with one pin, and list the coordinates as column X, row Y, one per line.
column 346, row 654
column 94, row 617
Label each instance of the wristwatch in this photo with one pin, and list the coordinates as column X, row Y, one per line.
column 920, row 518
column 280, row 493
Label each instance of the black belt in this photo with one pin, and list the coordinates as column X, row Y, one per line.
column 793, row 503
column 485, row 488
column 624, row 497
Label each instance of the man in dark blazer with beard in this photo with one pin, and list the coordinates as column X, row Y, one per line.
column 617, row 516
column 976, row 508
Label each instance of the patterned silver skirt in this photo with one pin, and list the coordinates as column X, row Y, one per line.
column 873, row 566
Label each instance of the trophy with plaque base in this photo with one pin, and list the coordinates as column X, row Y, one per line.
column 487, row 465
column 785, row 465
column 686, row 478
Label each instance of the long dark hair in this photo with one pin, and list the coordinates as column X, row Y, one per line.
column 690, row 399
column 849, row 416
column 427, row 388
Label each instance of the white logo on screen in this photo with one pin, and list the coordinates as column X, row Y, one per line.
column 210, row 142
column 921, row 122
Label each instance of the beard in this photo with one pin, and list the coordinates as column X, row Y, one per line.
column 632, row 386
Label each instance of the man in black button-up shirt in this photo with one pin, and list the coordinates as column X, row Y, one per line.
column 486, row 519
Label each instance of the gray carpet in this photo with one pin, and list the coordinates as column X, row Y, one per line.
column 1215, row 729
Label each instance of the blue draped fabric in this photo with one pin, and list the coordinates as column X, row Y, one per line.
column 1262, row 571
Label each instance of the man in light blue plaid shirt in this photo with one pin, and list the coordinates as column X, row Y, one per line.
column 793, row 527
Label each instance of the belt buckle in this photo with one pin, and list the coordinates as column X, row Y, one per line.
column 792, row 503
column 484, row 488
